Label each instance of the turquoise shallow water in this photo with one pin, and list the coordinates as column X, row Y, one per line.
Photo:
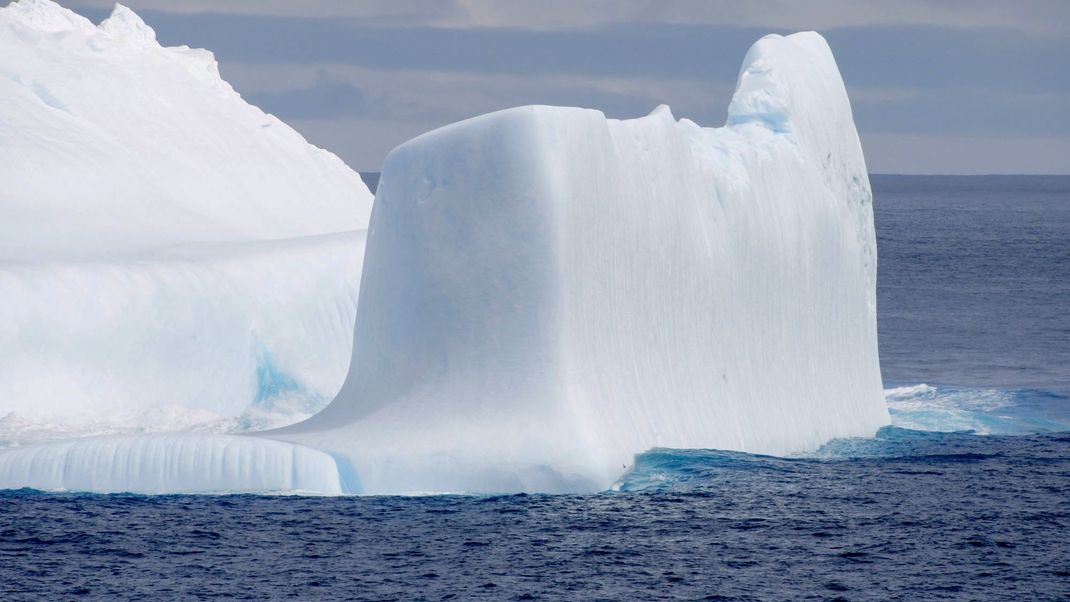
column 966, row 496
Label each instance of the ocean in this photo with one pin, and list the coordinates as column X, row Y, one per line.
column 965, row 496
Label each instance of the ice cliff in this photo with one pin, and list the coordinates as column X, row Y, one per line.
column 547, row 292
column 170, row 255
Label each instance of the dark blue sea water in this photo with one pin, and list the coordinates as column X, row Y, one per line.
column 974, row 280
column 974, row 304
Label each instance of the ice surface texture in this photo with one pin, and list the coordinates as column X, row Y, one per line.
column 547, row 292
column 168, row 253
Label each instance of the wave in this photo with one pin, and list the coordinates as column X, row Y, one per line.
column 984, row 411
column 892, row 449
column 932, row 427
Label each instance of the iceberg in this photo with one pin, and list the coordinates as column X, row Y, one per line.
column 547, row 292
column 170, row 256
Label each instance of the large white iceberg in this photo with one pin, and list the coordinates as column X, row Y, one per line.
column 170, row 256
column 547, row 292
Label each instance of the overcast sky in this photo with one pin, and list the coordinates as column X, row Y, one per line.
column 937, row 86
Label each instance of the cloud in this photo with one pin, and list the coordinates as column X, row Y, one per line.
column 373, row 74
column 1033, row 16
column 904, row 130
column 446, row 96
column 964, row 111
column 885, row 56
column 403, row 104
column 327, row 98
column 949, row 154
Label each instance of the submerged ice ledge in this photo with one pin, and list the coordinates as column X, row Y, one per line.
column 173, row 463
column 547, row 293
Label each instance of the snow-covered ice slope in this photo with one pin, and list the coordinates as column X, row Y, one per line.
column 169, row 255
column 109, row 141
column 547, row 292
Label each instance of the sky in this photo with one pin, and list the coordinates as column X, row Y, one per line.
column 937, row 86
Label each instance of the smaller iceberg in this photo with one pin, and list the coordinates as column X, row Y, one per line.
column 162, row 241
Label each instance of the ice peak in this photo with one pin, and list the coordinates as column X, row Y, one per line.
column 44, row 15
column 125, row 23
column 764, row 94
column 663, row 111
